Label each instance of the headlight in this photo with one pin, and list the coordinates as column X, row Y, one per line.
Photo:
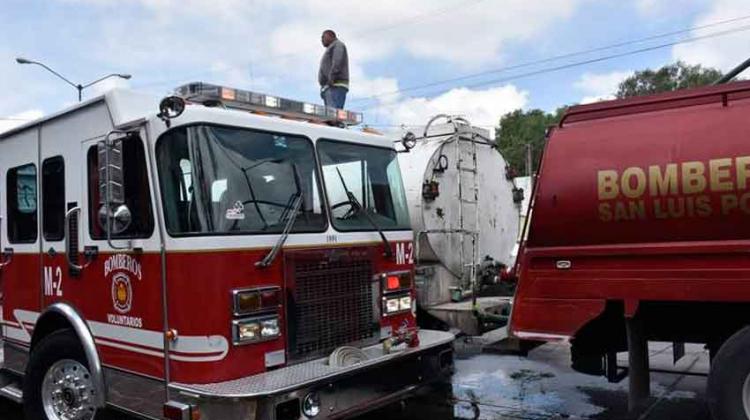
column 405, row 303
column 396, row 304
column 254, row 330
column 311, row 405
column 269, row 328
column 391, row 305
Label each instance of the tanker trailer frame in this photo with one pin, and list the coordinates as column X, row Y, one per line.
column 464, row 209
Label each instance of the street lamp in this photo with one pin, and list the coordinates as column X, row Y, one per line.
column 78, row 86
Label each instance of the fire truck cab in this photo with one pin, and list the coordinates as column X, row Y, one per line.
column 220, row 255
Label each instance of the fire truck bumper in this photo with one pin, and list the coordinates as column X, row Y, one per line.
column 315, row 390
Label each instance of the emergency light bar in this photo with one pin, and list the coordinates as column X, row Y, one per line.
column 213, row 95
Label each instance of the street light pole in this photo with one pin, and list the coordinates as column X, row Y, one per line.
column 79, row 87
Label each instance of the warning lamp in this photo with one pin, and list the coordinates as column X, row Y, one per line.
column 232, row 98
column 394, row 282
column 272, row 101
column 228, row 94
column 175, row 410
column 249, row 301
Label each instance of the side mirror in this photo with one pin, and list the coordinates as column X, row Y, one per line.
column 117, row 218
column 409, row 140
column 114, row 215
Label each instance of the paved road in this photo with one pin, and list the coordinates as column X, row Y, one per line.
column 542, row 386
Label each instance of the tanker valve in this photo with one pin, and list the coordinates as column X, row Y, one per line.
column 510, row 173
column 430, row 190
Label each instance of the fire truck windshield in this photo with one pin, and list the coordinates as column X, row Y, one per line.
column 221, row 180
column 372, row 176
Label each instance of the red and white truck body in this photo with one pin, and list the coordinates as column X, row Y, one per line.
column 639, row 231
column 209, row 263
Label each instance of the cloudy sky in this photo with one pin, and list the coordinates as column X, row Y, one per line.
column 401, row 52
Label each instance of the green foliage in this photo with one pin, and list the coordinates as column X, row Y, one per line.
column 519, row 128
column 666, row 79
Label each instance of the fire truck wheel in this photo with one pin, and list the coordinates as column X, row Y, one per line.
column 728, row 389
column 58, row 385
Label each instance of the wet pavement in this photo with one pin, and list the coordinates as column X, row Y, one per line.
column 540, row 386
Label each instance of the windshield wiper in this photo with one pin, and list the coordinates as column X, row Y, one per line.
column 358, row 209
column 293, row 210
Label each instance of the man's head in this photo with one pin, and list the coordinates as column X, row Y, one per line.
column 327, row 37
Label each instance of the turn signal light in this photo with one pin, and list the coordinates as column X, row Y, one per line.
column 250, row 301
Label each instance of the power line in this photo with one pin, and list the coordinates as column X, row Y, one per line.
column 410, row 20
column 551, row 59
column 582, row 63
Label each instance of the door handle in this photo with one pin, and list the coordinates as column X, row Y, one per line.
column 69, row 251
column 7, row 257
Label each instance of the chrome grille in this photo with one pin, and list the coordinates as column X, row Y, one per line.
column 332, row 305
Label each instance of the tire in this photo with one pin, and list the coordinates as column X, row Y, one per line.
column 728, row 389
column 59, row 355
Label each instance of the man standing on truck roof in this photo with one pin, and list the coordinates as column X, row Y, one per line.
column 333, row 75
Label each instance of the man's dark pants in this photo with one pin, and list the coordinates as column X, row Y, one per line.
column 334, row 96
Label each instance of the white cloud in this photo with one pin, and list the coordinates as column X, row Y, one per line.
column 12, row 121
column 723, row 52
column 466, row 33
column 650, row 7
column 280, row 40
column 481, row 107
column 600, row 87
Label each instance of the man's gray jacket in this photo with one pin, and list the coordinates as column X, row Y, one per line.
column 334, row 66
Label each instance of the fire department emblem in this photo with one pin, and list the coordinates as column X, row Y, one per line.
column 122, row 293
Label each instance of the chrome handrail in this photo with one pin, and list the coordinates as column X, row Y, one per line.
column 68, row 257
column 9, row 255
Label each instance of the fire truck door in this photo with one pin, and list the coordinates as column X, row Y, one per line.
column 19, row 194
column 58, row 176
column 121, row 272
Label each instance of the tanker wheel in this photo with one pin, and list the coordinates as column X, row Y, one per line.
column 58, row 384
column 728, row 389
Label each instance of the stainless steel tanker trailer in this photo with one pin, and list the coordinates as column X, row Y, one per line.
column 464, row 211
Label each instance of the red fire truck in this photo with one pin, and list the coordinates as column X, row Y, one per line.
column 220, row 255
column 640, row 231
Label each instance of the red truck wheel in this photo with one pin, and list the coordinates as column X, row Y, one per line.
column 728, row 389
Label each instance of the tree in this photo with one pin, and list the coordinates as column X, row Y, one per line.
column 666, row 79
column 520, row 128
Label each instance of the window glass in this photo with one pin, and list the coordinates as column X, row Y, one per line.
column 136, row 190
column 53, row 198
column 372, row 176
column 22, row 204
column 225, row 180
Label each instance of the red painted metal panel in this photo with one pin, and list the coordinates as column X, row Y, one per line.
column 647, row 199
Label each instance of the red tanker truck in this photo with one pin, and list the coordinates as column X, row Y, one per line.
column 640, row 231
